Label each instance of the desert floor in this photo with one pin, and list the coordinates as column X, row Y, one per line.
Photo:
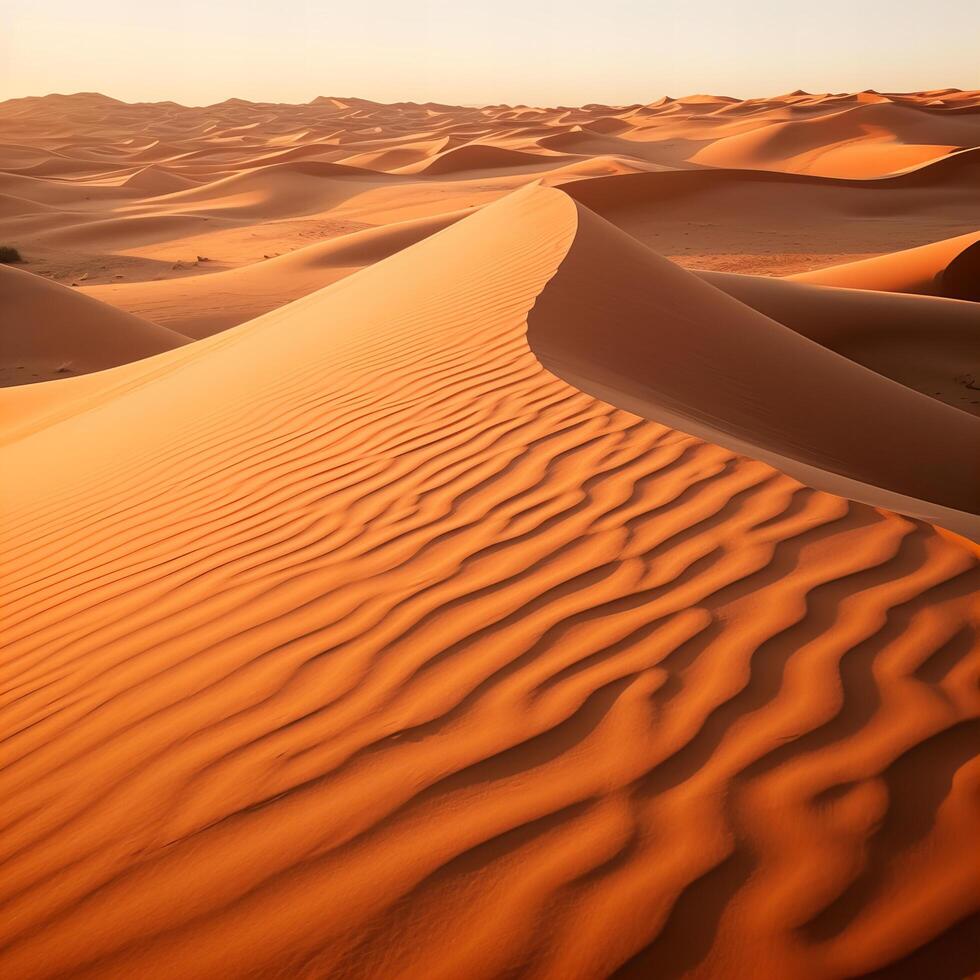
column 491, row 542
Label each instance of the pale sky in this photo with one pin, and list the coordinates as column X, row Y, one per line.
column 539, row 52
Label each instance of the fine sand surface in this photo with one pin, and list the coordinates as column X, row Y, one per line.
column 486, row 543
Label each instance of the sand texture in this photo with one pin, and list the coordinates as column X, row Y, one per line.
column 491, row 543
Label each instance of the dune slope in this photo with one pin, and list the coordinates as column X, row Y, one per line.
column 948, row 268
column 629, row 326
column 353, row 628
column 925, row 342
column 48, row 330
column 199, row 306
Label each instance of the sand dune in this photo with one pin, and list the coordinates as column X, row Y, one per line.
column 48, row 330
column 927, row 344
column 632, row 328
column 279, row 190
column 714, row 210
column 863, row 140
column 476, row 157
column 949, row 178
column 949, row 268
column 12, row 206
column 152, row 181
column 133, row 180
column 202, row 305
column 403, row 611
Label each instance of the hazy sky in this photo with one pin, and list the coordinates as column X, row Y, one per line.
column 542, row 52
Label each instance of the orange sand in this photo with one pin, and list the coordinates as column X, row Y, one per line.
column 412, row 573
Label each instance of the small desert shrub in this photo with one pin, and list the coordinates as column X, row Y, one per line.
column 8, row 254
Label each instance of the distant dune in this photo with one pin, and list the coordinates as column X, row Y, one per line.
column 481, row 157
column 47, row 329
column 199, row 306
column 949, row 268
column 490, row 542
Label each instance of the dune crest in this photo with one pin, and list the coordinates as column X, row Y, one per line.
column 199, row 306
column 629, row 327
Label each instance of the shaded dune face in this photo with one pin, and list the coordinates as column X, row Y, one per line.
column 961, row 278
column 948, row 268
column 353, row 628
column 48, row 330
column 725, row 193
column 925, row 343
column 632, row 328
